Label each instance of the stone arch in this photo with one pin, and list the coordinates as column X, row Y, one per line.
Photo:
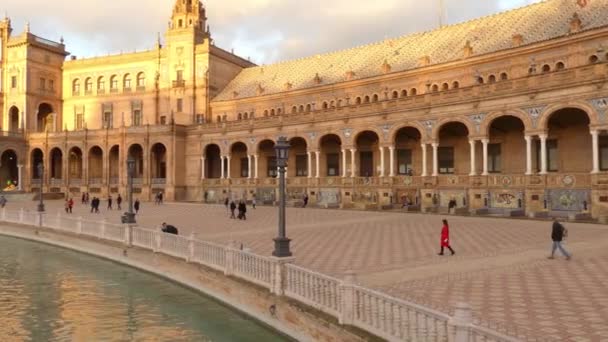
column 114, row 163
column 158, row 161
column 357, row 133
column 14, row 118
column 55, row 163
column 393, row 132
column 549, row 111
column 95, row 163
column 36, row 157
column 45, row 118
column 9, row 171
column 484, row 128
column 136, row 151
column 443, row 122
column 75, row 163
column 212, row 153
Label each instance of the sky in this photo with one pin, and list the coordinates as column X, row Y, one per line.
column 266, row 31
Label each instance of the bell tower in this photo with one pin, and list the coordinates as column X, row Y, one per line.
column 189, row 18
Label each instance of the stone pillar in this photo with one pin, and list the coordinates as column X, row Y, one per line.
column 20, row 177
column 343, row 163
column 473, row 163
column 543, row 154
column 353, row 172
column 347, row 310
column 381, row 161
column 595, row 148
column 249, row 160
column 485, row 143
column 528, row 155
column 435, row 159
column 279, row 274
column 228, row 171
column 309, row 154
column 255, row 170
column 461, row 322
column 391, row 151
column 222, row 167
column 202, row 167
column 318, row 163
column 424, row 171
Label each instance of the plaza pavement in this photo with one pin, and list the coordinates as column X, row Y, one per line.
column 500, row 267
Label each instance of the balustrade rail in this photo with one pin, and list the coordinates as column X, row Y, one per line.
column 378, row 313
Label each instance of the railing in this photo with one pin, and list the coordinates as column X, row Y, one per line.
column 36, row 181
column 138, row 181
column 378, row 313
column 96, row 181
column 179, row 84
column 12, row 134
column 114, row 180
column 75, row 181
column 56, row 181
column 156, row 181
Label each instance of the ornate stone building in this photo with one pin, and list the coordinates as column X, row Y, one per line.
column 504, row 114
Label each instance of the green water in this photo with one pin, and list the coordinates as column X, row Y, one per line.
column 52, row 294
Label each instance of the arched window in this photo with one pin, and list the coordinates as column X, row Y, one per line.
column 279, row 111
column 455, row 85
column 593, row 59
column 114, row 83
column 266, row 113
column 88, row 86
column 332, row 104
column 445, row 87
column 480, row 80
column 219, row 118
column 504, row 76
column 126, row 83
column 560, row 66
column 366, row 99
column 546, row 68
column 325, row 106
column 375, row 98
column 101, row 85
column 301, row 108
column 240, row 116
column 245, row 116
column 272, row 113
column 308, row 108
column 294, row 110
column 492, row 79
column 413, row 92
column 339, row 103
column 141, row 80
column 76, row 87
column 395, row 94
column 358, row 100
column 435, row 88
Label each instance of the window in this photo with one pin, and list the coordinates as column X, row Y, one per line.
column 375, row 98
column 404, row 162
column 413, row 92
column 504, row 76
column 200, row 119
column 301, row 165
column 294, row 110
column 358, row 101
column 244, row 167
column 180, row 105
column 141, row 81
column 552, row 155
column 446, row 160
column 603, row 152
column 114, row 84
column 435, row 88
column 546, row 68
column 163, row 120
column 180, row 75
column 333, row 164
column 127, row 83
column 445, row 87
column 79, row 121
column 137, row 117
column 455, row 85
column 272, row 166
column 51, row 85
column 494, row 158
column 42, row 83
column 76, row 87
column 88, row 86
column 366, row 99
column 404, row 93
column 107, row 120
column 560, row 66
column 13, row 82
column 101, row 85
column 395, row 94
column 492, row 79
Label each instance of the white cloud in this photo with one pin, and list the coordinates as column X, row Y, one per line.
column 266, row 30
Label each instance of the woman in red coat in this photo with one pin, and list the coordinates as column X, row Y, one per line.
column 445, row 237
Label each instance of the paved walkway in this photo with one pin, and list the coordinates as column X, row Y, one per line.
column 500, row 266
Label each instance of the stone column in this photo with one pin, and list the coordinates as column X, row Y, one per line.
column 594, row 147
column 222, row 167
column 309, row 154
column 318, row 163
column 435, row 159
column 424, row 172
column 485, row 143
column 528, row 155
column 343, row 163
column 543, row 154
column 249, row 160
column 228, row 173
column 391, row 151
column 255, row 170
column 353, row 172
column 203, row 168
column 381, row 161
column 20, row 177
column 473, row 163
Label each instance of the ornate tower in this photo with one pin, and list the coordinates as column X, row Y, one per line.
column 189, row 18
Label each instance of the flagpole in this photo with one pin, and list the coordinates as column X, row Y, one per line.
column 441, row 13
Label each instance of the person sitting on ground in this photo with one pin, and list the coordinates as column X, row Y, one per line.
column 169, row 229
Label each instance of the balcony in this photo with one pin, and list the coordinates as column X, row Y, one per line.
column 138, row 181
column 114, row 90
column 158, row 181
column 101, row 91
column 114, row 180
column 88, row 92
column 95, row 181
column 56, row 182
column 141, row 89
column 126, row 90
column 36, row 181
column 179, row 84
column 75, row 182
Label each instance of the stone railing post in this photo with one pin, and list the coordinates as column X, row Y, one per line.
column 190, row 255
column 230, row 256
column 157, row 237
column 128, row 235
column 278, row 278
column 347, row 303
column 40, row 219
column 21, row 215
column 79, row 225
column 461, row 322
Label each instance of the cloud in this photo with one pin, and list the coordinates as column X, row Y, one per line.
column 266, row 30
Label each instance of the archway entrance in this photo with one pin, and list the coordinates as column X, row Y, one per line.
column 56, row 167
column 45, row 118
column 298, row 158
column 407, row 155
column 367, row 144
column 453, row 155
column 213, row 163
column 9, row 172
column 137, row 152
column 75, row 165
column 331, row 165
column 268, row 159
column 95, row 168
column 114, row 165
column 569, row 142
column 506, row 150
column 37, row 159
column 239, row 167
column 13, row 119
column 158, row 161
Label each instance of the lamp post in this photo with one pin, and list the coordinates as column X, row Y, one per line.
column 40, row 167
column 129, row 216
column 281, row 243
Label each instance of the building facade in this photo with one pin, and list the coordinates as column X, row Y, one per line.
column 504, row 114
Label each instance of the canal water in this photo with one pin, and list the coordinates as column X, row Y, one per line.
column 52, row 294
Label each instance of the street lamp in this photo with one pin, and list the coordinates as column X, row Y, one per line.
column 129, row 217
column 40, row 167
column 281, row 243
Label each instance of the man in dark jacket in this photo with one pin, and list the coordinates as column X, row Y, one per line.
column 232, row 209
column 169, row 229
column 558, row 233
column 242, row 210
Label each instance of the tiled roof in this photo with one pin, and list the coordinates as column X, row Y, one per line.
column 535, row 23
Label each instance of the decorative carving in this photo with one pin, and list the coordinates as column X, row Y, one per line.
column 318, row 79
column 385, row 129
column 259, row 90
column 350, row 75
column 386, row 68
column 428, row 124
column 288, row 86
column 534, row 113
column 347, row 132
column 601, row 106
column 517, row 40
column 424, row 61
column 568, row 180
column 467, row 50
column 477, row 119
column 575, row 23
column 312, row 135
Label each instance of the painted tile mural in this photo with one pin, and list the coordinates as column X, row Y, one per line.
column 568, row 199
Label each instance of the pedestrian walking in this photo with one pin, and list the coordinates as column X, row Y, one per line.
column 242, row 210
column 84, row 198
column 232, row 209
column 87, row 199
column 160, row 198
column 136, row 206
column 558, row 233
column 305, row 200
column 93, row 205
column 96, row 202
column 226, row 204
column 253, row 202
column 445, row 238
column 110, row 202
column 119, row 202
column 66, row 205
column 2, row 201
column 71, row 204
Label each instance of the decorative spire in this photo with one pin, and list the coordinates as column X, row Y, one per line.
column 575, row 23
column 468, row 49
column 386, row 68
column 318, row 79
column 27, row 27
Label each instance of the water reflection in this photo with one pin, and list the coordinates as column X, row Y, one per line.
column 51, row 294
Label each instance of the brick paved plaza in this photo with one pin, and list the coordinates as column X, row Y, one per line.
column 500, row 268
